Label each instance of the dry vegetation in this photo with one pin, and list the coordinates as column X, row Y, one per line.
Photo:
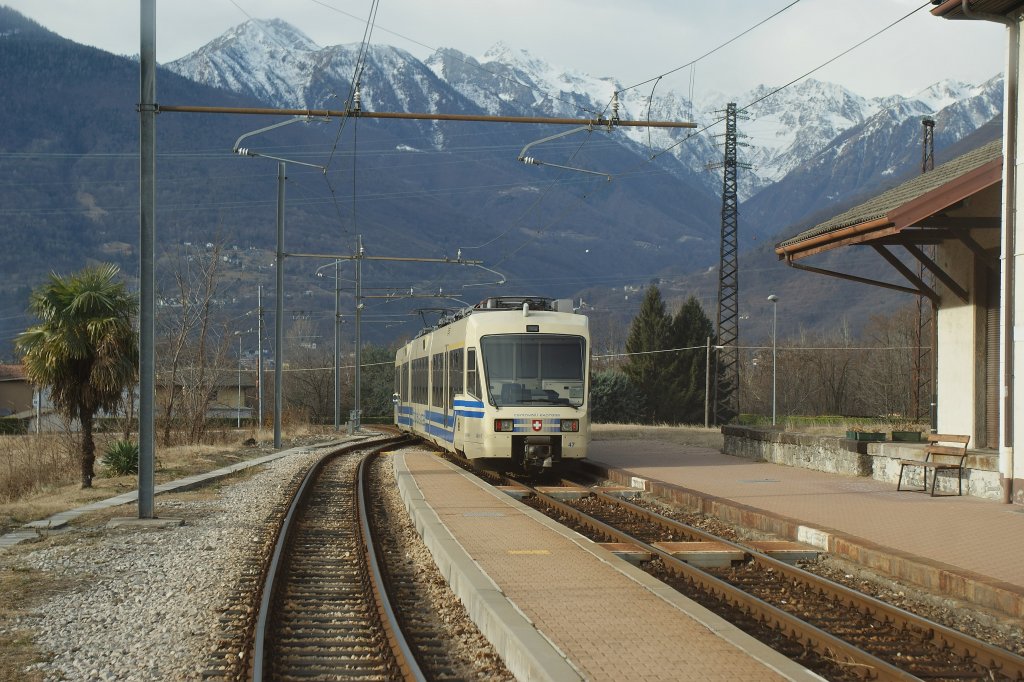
column 681, row 435
column 39, row 474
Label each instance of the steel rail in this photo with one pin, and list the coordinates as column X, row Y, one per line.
column 987, row 655
column 280, row 547
column 399, row 646
column 820, row 641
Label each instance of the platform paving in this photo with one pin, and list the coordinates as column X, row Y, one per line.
column 558, row 606
column 967, row 547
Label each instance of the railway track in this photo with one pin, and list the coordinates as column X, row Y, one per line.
column 835, row 631
column 325, row 611
column 340, row 599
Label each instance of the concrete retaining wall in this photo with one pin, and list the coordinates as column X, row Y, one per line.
column 879, row 460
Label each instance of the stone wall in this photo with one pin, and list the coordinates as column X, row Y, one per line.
column 879, row 460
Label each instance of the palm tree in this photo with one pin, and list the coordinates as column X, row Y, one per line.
column 85, row 348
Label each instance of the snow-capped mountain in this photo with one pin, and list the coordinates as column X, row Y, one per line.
column 782, row 131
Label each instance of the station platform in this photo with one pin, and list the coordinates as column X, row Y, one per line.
column 558, row 606
column 964, row 547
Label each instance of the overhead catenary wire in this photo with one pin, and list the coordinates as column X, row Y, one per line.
column 710, row 52
column 779, row 89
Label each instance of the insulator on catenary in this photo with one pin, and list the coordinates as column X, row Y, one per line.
column 530, row 160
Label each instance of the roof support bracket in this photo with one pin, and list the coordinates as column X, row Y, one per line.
column 934, row 268
column 864, row 280
column 987, row 259
column 922, row 287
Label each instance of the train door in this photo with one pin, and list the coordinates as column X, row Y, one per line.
column 454, row 389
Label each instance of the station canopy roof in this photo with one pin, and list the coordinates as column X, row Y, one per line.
column 924, row 210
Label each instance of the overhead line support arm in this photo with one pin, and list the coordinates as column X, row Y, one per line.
column 341, row 113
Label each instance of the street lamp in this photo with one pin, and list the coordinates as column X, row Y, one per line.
column 775, row 309
column 337, row 344
column 240, row 403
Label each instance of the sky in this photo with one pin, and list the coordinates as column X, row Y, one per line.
column 632, row 42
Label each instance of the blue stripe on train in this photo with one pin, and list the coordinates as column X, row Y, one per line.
column 443, row 434
column 470, row 409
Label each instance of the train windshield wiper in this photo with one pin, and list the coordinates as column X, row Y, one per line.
column 551, row 401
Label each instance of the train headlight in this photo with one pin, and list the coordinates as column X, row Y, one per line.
column 570, row 425
column 504, row 424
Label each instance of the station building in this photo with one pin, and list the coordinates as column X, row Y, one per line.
column 959, row 222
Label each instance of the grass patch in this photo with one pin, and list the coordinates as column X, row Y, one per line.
column 710, row 437
column 40, row 474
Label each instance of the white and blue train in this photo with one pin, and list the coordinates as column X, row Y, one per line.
column 504, row 383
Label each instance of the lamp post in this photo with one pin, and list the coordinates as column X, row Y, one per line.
column 337, row 344
column 775, row 309
column 238, row 406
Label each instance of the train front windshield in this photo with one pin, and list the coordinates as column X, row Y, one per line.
column 534, row 369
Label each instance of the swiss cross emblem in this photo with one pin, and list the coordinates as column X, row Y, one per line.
column 537, row 424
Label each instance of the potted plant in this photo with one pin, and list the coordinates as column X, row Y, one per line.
column 904, row 432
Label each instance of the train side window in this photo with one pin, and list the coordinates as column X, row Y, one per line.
column 419, row 380
column 437, row 380
column 454, row 375
column 472, row 376
column 404, row 387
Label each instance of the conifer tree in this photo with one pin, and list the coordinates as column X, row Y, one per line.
column 647, row 370
column 688, row 373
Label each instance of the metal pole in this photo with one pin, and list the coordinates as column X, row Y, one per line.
column 775, row 308
column 259, row 355
column 707, row 386
column 337, row 351
column 356, row 418
column 279, row 305
column 238, row 407
column 775, row 364
column 147, row 230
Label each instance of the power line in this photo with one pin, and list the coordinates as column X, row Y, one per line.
column 795, row 80
column 710, row 52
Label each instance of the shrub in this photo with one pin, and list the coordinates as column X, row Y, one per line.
column 122, row 458
column 614, row 399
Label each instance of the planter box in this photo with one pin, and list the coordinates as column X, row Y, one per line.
column 868, row 435
column 906, row 436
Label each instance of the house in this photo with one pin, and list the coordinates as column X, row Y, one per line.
column 231, row 396
column 959, row 223
column 16, row 391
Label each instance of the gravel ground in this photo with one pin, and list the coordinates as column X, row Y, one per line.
column 142, row 604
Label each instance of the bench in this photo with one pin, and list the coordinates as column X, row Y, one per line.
column 939, row 455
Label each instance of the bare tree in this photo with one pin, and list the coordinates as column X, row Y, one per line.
column 308, row 389
column 190, row 356
column 888, row 373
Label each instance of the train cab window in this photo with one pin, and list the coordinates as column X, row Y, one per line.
column 534, row 369
column 472, row 376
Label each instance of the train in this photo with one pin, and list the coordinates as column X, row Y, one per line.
column 504, row 384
